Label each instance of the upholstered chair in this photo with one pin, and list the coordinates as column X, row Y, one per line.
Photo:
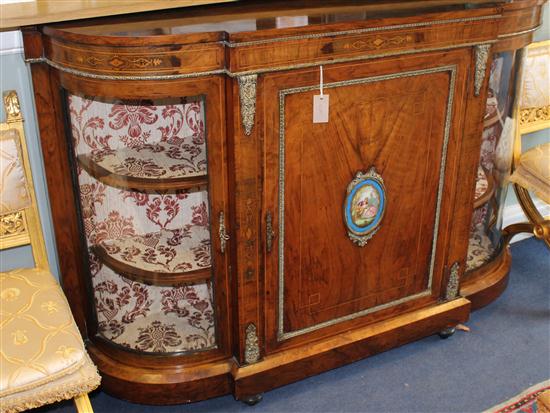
column 42, row 355
column 531, row 169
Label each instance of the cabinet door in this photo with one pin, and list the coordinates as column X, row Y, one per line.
column 358, row 209
column 148, row 163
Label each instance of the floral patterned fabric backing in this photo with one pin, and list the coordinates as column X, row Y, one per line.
column 495, row 158
column 482, row 183
column 132, row 314
column 481, row 248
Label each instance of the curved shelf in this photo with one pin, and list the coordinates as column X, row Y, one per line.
column 157, row 167
column 485, row 187
column 480, row 249
column 486, row 283
column 164, row 258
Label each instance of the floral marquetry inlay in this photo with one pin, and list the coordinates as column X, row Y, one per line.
column 378, row 42
column 120, row 62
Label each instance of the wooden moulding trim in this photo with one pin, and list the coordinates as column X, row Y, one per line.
column 335, row 342
column 347, row 347
column 506, row 35
column 231, row 74
column 151, row 277
column 158, row 360
column 162, row 384
column 145, row 184
column 485, row 284
column 487, row 195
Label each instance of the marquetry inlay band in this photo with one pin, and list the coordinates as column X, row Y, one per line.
column 361, row 31
column 231, row 74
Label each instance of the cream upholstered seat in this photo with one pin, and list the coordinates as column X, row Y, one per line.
column 42, row 354
column 531, row 169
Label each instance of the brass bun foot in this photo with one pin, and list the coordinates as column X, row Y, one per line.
column 252, row 400
column 446, row 333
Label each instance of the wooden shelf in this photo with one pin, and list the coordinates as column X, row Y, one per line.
column 485, row 187
column 164, row 258
column 159, row 167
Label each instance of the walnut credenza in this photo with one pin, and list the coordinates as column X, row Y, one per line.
column 214, row 239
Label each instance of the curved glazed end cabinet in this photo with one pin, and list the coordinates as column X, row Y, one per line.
column 216, row 237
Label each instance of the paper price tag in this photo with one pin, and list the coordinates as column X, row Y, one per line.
column 320, row 108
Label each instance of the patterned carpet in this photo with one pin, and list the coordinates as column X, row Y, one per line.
column 526, row 402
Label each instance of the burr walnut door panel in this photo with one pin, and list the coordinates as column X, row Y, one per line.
column 357, row 209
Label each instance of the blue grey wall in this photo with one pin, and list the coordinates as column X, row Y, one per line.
column 14, row 74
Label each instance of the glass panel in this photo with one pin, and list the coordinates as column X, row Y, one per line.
column 142, row 176
column 495, row 162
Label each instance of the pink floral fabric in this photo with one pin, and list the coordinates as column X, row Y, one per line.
column 482, row 183
column 495, row 158
column 138, row 316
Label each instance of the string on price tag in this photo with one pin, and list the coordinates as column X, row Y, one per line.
column 320, row 102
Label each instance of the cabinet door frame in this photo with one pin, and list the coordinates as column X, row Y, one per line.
column 73, row 259
column 275, row 88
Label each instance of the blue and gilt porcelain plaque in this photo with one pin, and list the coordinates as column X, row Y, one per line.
column 364, row 206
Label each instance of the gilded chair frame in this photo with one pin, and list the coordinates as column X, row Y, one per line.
column 23, row 227
column 529, row 120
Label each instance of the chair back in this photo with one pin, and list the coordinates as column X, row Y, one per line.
column 533, row 108
column 19, row 217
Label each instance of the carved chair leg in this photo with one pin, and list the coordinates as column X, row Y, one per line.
column 514, row 229
column 527, row 205
column 540, row 225
column 82, row 404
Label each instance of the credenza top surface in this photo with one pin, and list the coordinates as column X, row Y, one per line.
column 31, row 12
column 169, row 17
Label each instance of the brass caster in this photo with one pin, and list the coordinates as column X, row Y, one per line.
column 446, row 333
column 253, row 400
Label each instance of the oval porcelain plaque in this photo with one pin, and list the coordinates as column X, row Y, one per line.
column 364, row 206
